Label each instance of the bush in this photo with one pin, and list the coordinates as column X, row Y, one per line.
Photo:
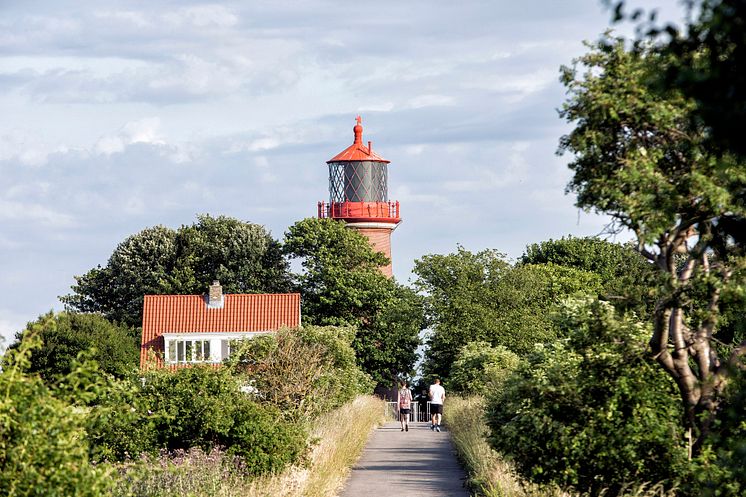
column 67, row 334
column 591, row 412
column 204, row 407
column 43, row 449
column 480, row 368
column 304, row 371
column 119, row 421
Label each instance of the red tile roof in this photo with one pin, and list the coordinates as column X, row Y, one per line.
column 190, row 314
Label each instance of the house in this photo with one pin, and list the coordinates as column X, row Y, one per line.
column 179, row 330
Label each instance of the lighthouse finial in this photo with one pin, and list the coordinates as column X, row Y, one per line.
column 358, row 130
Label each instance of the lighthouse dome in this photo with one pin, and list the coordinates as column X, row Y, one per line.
column 357, row 151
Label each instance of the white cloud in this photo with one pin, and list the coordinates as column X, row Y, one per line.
column 137, row 19
column 519, row 85
column 202, row 16
column 144, row 130
column 198, row 76
column 430, row 101
column 270, row 139
column 34, row 213
column 23, row 146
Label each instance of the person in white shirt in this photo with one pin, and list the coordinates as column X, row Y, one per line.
column 437, row 395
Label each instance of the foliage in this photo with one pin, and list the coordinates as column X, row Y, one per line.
column 119, row 422
column 708, row 65
column 341, row 284
column 641, row 158
column 387, row 346
column 66, row 334
column 480, row 368
column 721, row 468
column 204, row 407
column 340, row 435
column 304, row 372
column 43, row 448
column 460, row 307
column 480, row 297
column 627, row 276
column 160, row 260
column 490, row 475
column 590, row 412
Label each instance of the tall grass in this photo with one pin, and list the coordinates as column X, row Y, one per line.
column 492, row 476
column 338, row 438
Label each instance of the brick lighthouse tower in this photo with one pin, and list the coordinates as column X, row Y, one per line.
column 358, row 194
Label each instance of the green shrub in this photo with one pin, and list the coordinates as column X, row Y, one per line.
column 204, row 407
column 591, row 412
column 303, row 371
column 119, row 421
column 480, row 368
column 43, row 448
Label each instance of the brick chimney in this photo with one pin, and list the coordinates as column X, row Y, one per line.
column 215, row 297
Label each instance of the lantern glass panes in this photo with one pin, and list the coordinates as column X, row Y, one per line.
column 358, row 181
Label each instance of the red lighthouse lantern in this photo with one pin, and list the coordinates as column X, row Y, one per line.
column 358, row 194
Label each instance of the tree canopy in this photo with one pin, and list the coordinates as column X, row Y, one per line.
column 341, row 284
column 707, row 65
column 481, row 297
column 627, row 276
column 160, row 260
column 480, row 369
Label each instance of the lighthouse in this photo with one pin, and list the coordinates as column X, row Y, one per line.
column 358, row 194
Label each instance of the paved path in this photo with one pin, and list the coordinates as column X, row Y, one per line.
column 417, row 463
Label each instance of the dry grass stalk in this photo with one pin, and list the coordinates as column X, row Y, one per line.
column 341, row 436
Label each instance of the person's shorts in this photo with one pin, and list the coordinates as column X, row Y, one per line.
column 436, row 408
column 403, row 410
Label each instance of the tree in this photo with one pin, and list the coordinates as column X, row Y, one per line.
column 341, row 284
column 640, row 158
column 627, row 276
column 67, row 334
column 160, row 260
column 480, row 297
column 459, row 302
column 480, row 368
column 387, row 347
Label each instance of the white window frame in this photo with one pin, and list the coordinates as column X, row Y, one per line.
column 215, row 341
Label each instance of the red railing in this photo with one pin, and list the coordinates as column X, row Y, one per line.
column 360, row 211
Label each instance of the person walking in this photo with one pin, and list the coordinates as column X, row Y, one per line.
column 405, row 404
column 437, row 395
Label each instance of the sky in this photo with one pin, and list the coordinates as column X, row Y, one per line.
column 117, row 116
